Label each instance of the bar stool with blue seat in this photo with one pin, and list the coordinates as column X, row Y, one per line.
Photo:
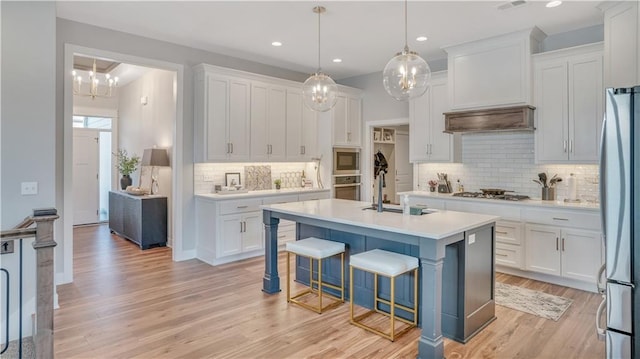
column 316, row 249
column 390, row 265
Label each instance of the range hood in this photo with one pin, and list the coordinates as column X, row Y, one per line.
column 518, row 118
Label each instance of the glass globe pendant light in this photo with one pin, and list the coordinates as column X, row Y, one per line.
column 406, row 75
column 319, row 91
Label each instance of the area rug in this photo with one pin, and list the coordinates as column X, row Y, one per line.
column 534, row 302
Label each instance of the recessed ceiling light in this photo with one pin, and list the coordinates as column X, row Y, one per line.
column 421, row 38
column 554, row 3
column 337, row 60
column 276, row 43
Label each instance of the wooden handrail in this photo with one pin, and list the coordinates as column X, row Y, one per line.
column 43, row 245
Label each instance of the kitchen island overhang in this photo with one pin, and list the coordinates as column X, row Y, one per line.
column 456, row 252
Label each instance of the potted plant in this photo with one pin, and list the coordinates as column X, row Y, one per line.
column 432, row 185
column 277, row 182
column 126, row 165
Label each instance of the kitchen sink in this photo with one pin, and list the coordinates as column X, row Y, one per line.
column 394, row 210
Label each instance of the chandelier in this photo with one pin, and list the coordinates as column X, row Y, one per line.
column 319, row 90
column 406, row 75
column 97, row 88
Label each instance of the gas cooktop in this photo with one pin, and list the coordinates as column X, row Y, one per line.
column 505, row 197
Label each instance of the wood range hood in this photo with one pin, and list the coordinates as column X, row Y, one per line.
column 515, row 118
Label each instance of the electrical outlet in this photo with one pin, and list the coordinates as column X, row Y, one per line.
column 29, row 188
column 472, row 238
column 6, row 247
column 207, row 178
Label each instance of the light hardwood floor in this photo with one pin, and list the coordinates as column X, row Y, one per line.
column 127, row 303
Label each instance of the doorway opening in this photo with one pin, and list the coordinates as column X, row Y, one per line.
column 391, row 138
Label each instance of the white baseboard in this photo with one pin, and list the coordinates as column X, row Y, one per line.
column 572, row 283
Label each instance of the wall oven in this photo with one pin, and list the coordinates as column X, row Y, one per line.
column 346, row 187
column 346, row 161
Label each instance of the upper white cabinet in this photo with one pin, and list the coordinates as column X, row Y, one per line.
column 346, row 116
column 492, row 72
column 223, row 110
column 268, row 121
column 569, row 104
column 621, row 43
column 301, row 128
column 428, row 142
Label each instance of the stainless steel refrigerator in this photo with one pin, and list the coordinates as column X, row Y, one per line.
column 620, row 203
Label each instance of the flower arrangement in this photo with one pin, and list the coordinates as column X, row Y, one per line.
column 126, row 165
column 432, row 185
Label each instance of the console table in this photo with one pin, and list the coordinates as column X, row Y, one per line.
column 140, row 219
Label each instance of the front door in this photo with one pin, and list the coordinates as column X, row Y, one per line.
column 85, row 176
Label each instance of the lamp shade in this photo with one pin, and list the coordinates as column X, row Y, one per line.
column 319, row 92
column 155, row 157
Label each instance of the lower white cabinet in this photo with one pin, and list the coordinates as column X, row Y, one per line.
column 231, row 229
column 566, row 252
column 509, row 244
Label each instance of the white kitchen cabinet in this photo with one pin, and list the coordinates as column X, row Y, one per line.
column 240, row 233
column 301, row 130
column 346, row 117
column 569, row 105
column 428, row 142
column 621, row 43
column 492, row 72
column 509, row 244
column 222, row 110
column 566, row 252
column 268, row 122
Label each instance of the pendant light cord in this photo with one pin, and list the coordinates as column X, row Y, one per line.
column 406, row 46
column 319, row 12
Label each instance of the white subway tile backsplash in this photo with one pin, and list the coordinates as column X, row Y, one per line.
column 506, row 160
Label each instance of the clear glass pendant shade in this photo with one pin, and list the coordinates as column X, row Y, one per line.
column 406, row 76
column 319, row 92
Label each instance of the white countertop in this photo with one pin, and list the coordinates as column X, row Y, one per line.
column 262, row 193
column 436, row 225
column 534, row 202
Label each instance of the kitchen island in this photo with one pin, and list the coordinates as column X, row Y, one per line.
column 456, row 284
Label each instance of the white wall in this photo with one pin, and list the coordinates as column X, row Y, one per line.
column 148, row 126
column 27, row 130
column 505, row 160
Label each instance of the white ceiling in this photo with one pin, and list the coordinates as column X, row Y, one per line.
column 364, row 34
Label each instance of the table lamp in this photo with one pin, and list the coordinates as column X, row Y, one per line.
column 155, row 157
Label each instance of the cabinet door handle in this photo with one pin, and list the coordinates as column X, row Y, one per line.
column 231, row 147
column 240, row 227
column 304, row 150
column 430, row 149
column 348, row 136
column 563, row 244
column 239, row 207
column 500, row 232
column 571, row 146
column 227, row 147
column 501, row 255
column 560, row 219
column 557, row 243
column 426, row 149
column 282, row 236
column 564, row 145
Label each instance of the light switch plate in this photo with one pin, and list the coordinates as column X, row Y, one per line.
column 207, row 178
column 29, row 188
column 472, row 238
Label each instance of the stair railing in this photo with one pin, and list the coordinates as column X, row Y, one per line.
column 43, row 245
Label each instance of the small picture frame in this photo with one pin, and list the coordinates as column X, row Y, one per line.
column 232, row 179
column 387, row 137
column 376, row 135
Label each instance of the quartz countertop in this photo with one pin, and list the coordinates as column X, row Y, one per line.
column 261, row 193
column 534, row 202
column 437, row 225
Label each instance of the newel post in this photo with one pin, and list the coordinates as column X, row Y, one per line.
column 43, row 245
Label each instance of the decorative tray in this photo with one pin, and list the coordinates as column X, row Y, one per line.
column 137, row 191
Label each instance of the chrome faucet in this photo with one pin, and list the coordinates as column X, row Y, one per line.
column 379, row 192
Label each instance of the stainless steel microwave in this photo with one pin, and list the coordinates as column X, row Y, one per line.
column 346, row 161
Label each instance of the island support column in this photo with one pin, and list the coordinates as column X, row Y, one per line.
column 431, row 343
column 271, row 280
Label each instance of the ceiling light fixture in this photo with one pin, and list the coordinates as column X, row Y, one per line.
column 319, row 91
column 554, row 3
column 94, row 84
column 337, row 61
column 276, row 43
column 421, row 38
column 406, row 75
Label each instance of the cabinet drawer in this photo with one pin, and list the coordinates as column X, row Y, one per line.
column 563, row 218
column 505, row 211
column 286, row 235
column 313, row 196
column 509, row 255
column 280, row 199
column 240, row 206
column 509, row 232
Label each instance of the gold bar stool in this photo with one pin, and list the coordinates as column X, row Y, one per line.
column 316, row 249
column 390, row 265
